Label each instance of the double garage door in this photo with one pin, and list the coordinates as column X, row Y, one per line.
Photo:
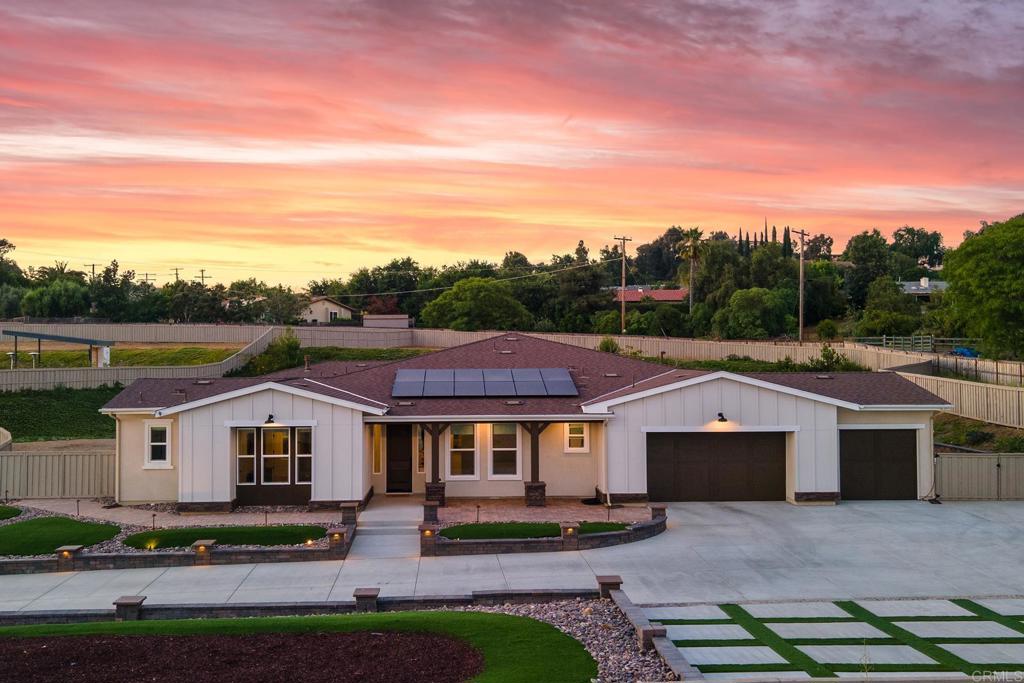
column 716, row 466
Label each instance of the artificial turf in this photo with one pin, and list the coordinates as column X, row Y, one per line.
column 515, row 649
column 226, row 535
column 776, row 642
column 44, row 535
column 493, row 530
column 7, row 512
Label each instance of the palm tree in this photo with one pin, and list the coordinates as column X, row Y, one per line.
column 690, row 247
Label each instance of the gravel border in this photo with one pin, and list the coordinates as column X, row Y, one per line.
column 601, row 628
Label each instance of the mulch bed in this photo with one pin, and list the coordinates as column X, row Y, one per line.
column 365, row 656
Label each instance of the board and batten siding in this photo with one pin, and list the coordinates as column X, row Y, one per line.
column 207, row 462
column 812, row 463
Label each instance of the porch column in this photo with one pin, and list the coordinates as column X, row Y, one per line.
column 535, row 489
column 435, row 487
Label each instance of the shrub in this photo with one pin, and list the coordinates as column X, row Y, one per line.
column 284, row 352
column 831, row 360
column 608, row 345
column 973, row 437
column 828, row 330
column 1010, row 444
column 544, row 325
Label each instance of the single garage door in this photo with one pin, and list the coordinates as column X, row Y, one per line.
column 878, row 464
column 716, row 466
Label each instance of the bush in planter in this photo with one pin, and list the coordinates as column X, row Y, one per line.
column 828, row 330
column 608, row 345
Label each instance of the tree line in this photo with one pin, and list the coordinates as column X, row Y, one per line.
column 740, row 286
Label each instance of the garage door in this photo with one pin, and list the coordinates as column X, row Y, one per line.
column 716, row 466
column 878, row 464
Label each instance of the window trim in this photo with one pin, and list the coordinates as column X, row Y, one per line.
column 476, row 455
column 299, row 456
column 287, row 456
column 490, row 456
column 253, row 457
column 585, row 448
column 147, row 463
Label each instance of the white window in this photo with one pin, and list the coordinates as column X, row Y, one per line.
column 304, row 455
column 245, row 453
column 420, row 444
column 505, row 460
column 158, row 445
column 333, row 316
column 577, row 437
column 275, row 456
column 462, row 452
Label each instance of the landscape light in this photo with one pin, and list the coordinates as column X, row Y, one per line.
column 309, row 541
column 428, row 532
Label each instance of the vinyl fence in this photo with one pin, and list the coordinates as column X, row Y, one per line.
column 57, row 474
column 979, row 476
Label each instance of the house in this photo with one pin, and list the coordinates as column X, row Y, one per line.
column 324, row 310
column 518, row 416
column 924, row 288
column 636, row 295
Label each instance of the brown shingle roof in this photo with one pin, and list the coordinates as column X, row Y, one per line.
column 862, row 388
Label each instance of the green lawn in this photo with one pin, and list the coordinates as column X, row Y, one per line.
column 515, row 649
column 6, row 512
column 226, row 535
column 185, row 355
column 485, row 530
column 57, row 414
column 44, row 535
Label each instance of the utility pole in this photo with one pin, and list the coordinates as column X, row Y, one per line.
column 146, row 278
column 203, row 277
column 176, row 278
column 93, row 266
column 622, row 283
column 800, row 329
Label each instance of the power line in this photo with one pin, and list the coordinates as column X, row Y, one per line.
column 203, row 277
column 622, row 288
column 93, row 266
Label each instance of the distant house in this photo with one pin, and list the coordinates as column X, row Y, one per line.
column 324, row 310
column 635, row 295
column 924, row 287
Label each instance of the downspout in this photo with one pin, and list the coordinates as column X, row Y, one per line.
column 117, row 459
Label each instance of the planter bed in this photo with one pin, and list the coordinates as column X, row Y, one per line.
column 519, row 530
column 183, row 537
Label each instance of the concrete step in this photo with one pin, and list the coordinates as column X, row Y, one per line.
column 382, row 523
column 386, row 530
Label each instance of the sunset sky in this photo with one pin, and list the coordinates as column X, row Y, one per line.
column 292, row 140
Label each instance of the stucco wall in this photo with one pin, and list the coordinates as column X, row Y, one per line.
column 207, row 470
column 812, row 449
column 903, row 419
column 136, row 484
column 320, row 311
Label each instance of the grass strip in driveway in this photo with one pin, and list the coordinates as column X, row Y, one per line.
column 44, row 535
column 990, row 615
column 7, row 512
column 891, row 668
column 923, row 646
column 295, row 534
column 776, row 642
column 693, row 622
column 515, row 649
column 806, row 620
column 842, row 641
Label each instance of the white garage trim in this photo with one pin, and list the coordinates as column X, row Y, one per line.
column 880, row 426
column 723, row 430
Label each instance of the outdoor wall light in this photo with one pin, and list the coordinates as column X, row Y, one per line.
column 569, row 531
column 65, row 554
column 721, row 418
column 270, row 419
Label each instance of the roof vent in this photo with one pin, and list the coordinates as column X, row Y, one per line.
column 407, row 403
column 506, row 351
column 203, row 381
column 511, row 338
column 360, row 365
column 514, row 403
column 612, row 374
column 823, row 377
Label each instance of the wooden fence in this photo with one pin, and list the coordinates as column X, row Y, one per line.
column 979, row 476
column 57, row 474
column 986, row 402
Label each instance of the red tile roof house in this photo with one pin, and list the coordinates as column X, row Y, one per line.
column 517, row 416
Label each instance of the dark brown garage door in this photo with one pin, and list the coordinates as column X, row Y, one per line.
column 716, row 466
column 878, row 464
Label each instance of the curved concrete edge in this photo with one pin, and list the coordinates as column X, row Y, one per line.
column 432, row 544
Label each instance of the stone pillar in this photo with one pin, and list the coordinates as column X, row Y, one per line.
column 536, row 494
column 430, row 512
column 128, row 607
column 66, row 555
column 203, row 549
column 349, row 513
column 658, row 510
column 366, row 599
column 337, row 545
column 435, row 492
column 570, row 535
column 428, row 539
column 608, row 583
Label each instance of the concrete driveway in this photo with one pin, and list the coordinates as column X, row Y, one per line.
column 724, row 552
column 711, row 553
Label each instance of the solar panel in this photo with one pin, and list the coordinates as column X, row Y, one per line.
column 473, row 382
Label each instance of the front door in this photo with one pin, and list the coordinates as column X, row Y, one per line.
column 399, row 452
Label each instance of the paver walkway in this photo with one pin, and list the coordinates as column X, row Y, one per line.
column 863, row 638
